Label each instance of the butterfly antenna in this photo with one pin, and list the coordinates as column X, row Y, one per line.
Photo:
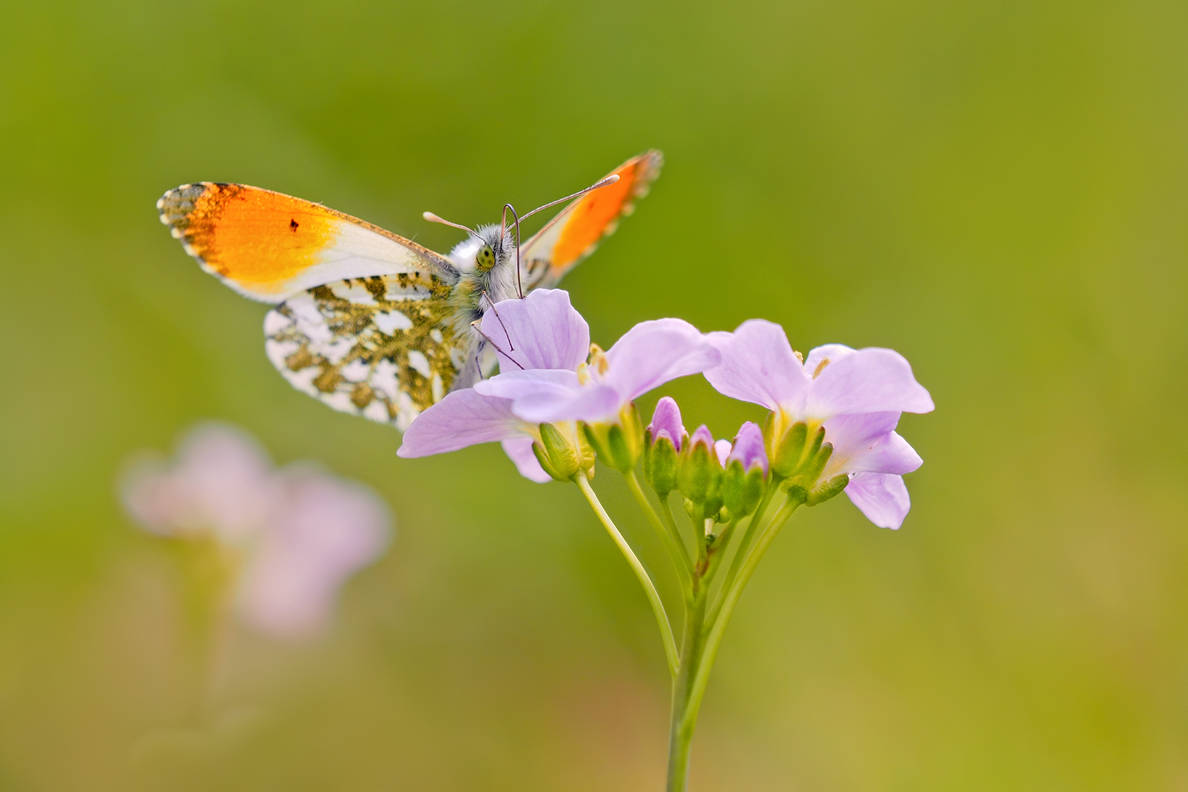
column 495, row 310
column 432, row 218
column 489, row 340
column 614, row 177
column 509, row 208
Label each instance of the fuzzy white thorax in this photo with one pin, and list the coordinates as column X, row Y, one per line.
column 500, row 281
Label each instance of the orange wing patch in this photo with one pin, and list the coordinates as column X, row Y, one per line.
column 594, row 216
column 270, row 246
column 255, row 237
column 576, row 231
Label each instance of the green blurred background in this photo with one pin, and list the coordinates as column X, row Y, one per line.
column 999, row 190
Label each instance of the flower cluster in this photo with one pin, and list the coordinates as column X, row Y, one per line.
column 291, row 536
column 560, row 402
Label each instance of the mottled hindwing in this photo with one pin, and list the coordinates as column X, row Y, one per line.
column 384, row 347
column 577, row 229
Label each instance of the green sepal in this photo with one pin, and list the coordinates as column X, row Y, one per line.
column 542, row 457
column 556, row 454
column 835, row 486
column 787, row 452
column 815, row 464
column 660, row 464
column 618, row 445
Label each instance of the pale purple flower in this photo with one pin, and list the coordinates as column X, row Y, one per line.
column 541, row 335
column 857, row 395
column 542, row 344
column 748, row 448
column 296, row 533
column 666, row 422
column 647, row 356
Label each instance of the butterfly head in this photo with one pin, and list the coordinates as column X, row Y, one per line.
column 485, row 250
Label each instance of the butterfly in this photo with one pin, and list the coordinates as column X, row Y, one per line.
column 367, row 321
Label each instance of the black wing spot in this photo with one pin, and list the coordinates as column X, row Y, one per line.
column 293, row 224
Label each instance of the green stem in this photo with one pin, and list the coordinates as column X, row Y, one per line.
column 676, row 548
column 674, row 662
column 740, row 553
column 670, row 521
column 683, row 719
column 717, row 625
column 718, row 551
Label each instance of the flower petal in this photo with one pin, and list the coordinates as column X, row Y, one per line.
column 653, row 353
column 823, row 355
column 868, row 380
column 667, row 419
column 890, row 454
column 463, row 418
column 758, row 366
column 545, row 331
column 882, row 498
column 547, row 396
column 858, row 444
column 222, row 480
column 593, row 403
column 722, row 451
column 750, row 448
column 523, row 384
column 519, row 450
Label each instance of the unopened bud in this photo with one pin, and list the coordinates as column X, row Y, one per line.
column 699, row 474
column 666, row 419
column 745, row 476
column 741, row 489
column 660, row 463
column 662, row 443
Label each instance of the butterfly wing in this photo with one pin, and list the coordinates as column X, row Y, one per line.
column 384, row 347
column 576, row 231
column 269, row 246
column 365, row 321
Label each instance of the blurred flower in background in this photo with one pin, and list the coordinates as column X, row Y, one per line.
column 289, row 537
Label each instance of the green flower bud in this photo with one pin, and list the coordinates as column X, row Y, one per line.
column 742, row 489
column 699, row 474
column 660, row 463
column 662, row 445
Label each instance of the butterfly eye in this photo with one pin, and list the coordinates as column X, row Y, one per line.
column 485, row 258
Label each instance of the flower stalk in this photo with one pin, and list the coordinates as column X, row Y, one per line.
column 645, row 580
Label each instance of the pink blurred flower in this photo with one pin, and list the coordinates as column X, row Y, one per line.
column 298, row 533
